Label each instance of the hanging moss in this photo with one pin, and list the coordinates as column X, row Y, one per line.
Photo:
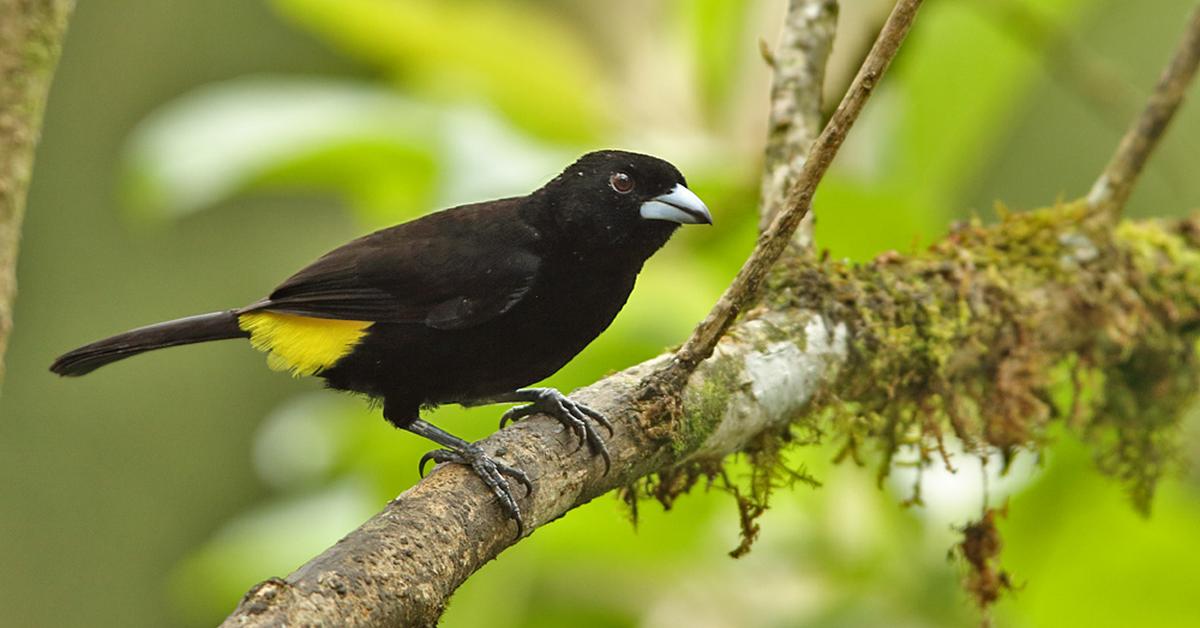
column 985, row 580
column 972, row 336
column 989, row 335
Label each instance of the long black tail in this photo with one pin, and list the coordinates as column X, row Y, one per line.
column 183, row 331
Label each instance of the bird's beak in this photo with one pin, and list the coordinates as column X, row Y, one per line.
column 680, row 205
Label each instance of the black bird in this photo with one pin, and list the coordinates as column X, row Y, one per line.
column 467, row 305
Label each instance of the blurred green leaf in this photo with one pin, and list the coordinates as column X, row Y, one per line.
column 719, row 44
column 923, row 139
column 386, row 156
column 525, row 61
column 895, row 220
column 275, row 538
column 1086, row 558
column 299, row 443
column 379, row 147
column 962, row 81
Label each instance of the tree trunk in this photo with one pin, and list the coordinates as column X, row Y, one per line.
column 31, row 35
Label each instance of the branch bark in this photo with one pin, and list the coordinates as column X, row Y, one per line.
column 1111, row 191
column 31, row 34
column 796, row 96
column 399, row 568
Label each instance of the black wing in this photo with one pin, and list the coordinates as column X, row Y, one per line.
column 449, row 270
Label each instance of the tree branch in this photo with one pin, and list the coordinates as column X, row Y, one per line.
column 969, row 337
column 1110, row 192
column 796, row 96
column 400, row 567
column 31, row 34
column 968, row 319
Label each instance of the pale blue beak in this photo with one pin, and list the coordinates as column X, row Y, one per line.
column 680, row 205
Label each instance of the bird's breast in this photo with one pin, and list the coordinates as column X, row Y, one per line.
column 570, row 308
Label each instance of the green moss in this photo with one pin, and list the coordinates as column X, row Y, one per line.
column 705, row 404
column 970, row 337
column 989, row 335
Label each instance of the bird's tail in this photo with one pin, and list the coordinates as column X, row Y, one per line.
column 183, row 331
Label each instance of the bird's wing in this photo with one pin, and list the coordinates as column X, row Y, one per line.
column 447, row 278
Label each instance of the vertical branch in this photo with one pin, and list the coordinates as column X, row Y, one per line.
column 1110, row 192
column 795, row 118
column 31, row 33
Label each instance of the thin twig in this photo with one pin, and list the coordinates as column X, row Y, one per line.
column 747, row 286
column 1110, row 192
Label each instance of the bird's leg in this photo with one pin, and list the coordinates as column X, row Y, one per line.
column 491, row 471
column 573, row 415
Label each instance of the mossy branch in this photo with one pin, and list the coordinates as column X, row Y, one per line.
column 31, row 34
column 975, row 337
column 986, row 336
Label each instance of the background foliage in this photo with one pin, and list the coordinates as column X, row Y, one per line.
column 197, row 152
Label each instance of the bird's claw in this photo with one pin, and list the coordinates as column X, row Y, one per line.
column 438, row 456
column 573, row 416
column 491, row 472
column 514, row 414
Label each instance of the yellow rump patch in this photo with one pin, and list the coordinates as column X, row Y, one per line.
column 301, row 344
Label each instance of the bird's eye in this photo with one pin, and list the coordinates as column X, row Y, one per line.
column 621, row 182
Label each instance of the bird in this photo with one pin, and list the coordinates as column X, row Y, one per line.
column 469, row 305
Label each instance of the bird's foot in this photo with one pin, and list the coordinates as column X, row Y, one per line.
column 573, row 416
column 491, row 472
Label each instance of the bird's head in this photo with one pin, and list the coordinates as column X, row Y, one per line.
column 614, row 197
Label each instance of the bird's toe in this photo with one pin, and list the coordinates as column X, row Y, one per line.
column 493, row 473
column 438, row 456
